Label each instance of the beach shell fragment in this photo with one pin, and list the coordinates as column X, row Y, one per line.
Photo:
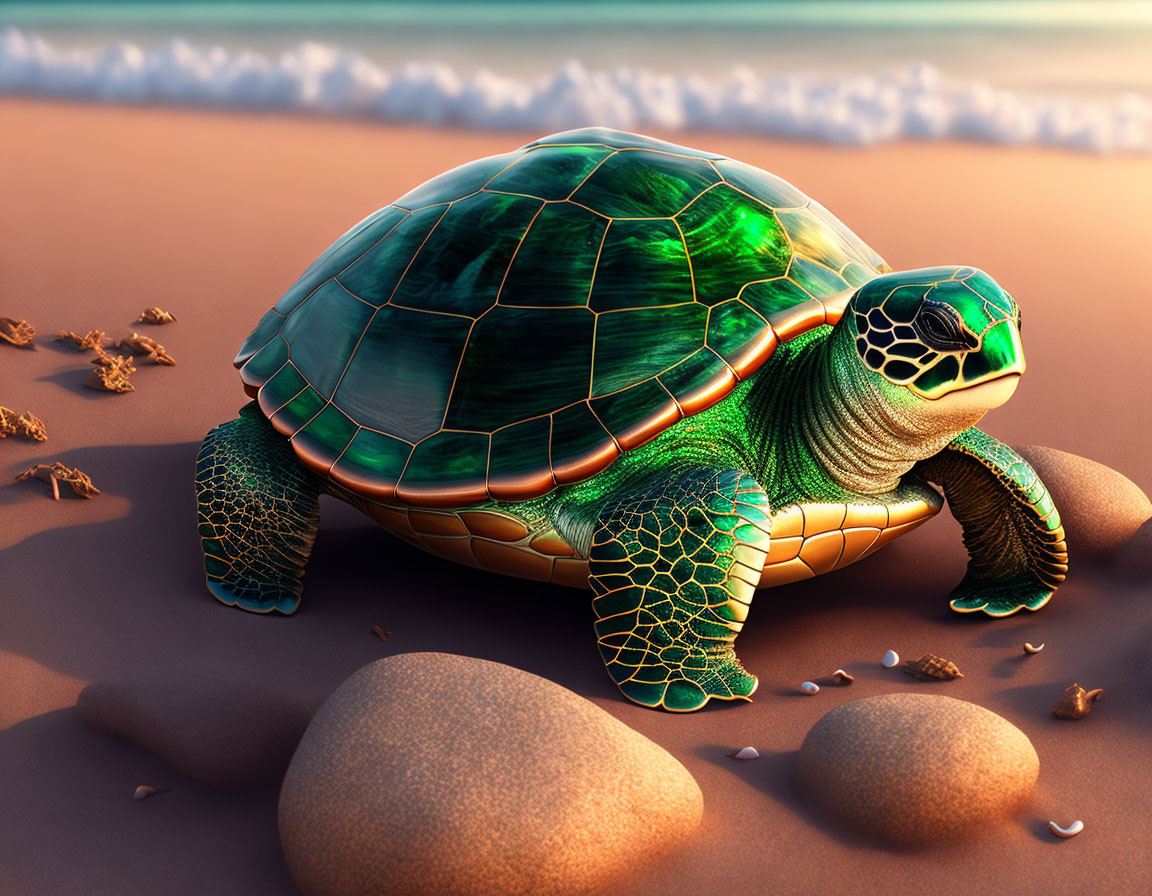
column 92, row 339
column 143, row 792
column 1075, row 703
column 144, row 345
column 155, row 316
column 747, row 753
column 26, row 425
column 111, row 373
column 931, row 666
column 1030, row 648
column 16, row 332
column 843, row 677
column 1071, row 831
column 810, row 687
column 58, row 473
column 891, row 658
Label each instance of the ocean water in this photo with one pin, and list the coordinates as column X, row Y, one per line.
column 1071, row 74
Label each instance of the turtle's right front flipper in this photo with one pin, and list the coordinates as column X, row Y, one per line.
column 258, row 511
column 674, row 568
column 1012, row 529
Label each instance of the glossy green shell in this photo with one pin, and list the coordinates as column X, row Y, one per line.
column 518, row 322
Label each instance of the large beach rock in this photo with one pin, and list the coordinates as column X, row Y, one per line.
column 916, row 768
column 1100, row 508
column 222, row 731
column 433, row 773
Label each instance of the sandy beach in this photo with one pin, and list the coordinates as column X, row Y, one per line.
column 106, row 211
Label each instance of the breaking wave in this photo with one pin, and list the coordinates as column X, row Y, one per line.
column 916, row 102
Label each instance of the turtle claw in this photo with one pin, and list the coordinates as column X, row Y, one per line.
column 724, row 680
column 1000, row 599
column 262, row 600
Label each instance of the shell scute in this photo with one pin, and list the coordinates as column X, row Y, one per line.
column 375, row 275
column 555, row 262
column 486, row 336
column 550, row 172
column 644, row 184
column 732, row 241
column 458, row 182
column 342, row 253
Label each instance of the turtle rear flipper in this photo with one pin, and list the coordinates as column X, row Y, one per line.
column 1017, row 552
column 674, row 568
column 258, row 510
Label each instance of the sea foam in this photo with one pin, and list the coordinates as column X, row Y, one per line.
column 915, row 102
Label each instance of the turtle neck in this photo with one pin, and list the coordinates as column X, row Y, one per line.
column 861, row 438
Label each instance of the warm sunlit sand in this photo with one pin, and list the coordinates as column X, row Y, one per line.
column 105, row 211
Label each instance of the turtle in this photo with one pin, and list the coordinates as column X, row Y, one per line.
column 611, row 362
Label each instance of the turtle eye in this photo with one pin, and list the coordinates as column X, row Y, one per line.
column 941, row 329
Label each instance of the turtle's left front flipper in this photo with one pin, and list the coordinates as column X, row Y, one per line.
column 1016, row 547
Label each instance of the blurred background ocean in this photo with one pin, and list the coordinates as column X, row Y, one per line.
column 855, row 72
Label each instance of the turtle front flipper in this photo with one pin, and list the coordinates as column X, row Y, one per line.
column 258, row 509
column 1016, row 547
column 674, row 567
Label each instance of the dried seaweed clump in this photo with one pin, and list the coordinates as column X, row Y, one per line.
column 16, row 332
column 26, row 425
column 111, row 373
column 143, row 345
column 57, row 473
column 91, row 339
column 155, row 316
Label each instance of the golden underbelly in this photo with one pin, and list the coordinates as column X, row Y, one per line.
column 807, row 539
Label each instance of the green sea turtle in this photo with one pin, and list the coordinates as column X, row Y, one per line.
column 607, row 361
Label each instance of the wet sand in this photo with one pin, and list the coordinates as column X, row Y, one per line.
column 211, row 216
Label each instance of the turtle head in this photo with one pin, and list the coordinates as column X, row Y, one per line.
column 949, row 336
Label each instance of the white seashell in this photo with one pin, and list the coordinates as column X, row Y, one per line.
column 810, row 687
column 143, row 792
column 844, row 677
column 891, row 658
column 1028, row 648
column 1071, row 831
column 747, row 753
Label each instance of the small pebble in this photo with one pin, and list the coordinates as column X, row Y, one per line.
column 747, row 753
column 143, row 792
column 844, row 677
column 810, row 687
column 1071, row 831
column 891, row 658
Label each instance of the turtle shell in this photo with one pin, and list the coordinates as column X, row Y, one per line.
column 520, row 321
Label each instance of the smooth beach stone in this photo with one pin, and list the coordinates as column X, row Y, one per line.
column 1100, row 508
column 912, row 769
column 431, row 773
column 213, row 726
